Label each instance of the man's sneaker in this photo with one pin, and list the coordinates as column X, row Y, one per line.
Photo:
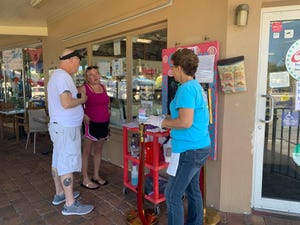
column 77, row 209
column 58, row 199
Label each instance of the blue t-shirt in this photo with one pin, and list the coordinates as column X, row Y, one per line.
column 190, row 95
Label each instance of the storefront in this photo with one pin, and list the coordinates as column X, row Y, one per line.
column 277, row 113
column 110, row 36
column 22, row 75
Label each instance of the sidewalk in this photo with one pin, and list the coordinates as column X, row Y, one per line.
column 27, row 189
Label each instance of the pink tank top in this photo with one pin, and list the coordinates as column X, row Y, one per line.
column 96, row 106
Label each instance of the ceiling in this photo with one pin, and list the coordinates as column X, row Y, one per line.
column 20, row 18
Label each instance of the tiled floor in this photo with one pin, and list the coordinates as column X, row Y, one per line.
column 26, row 191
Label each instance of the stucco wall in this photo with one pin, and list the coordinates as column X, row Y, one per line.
column 238, row 112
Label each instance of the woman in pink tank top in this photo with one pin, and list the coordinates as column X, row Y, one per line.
column 96, row 125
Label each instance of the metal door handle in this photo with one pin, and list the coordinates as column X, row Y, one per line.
column 271, row 107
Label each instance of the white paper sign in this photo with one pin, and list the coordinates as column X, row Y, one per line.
column 205, row 70
column 297, row 96
column 279, row 79
column 117, row 47
column 173, row 164
column 104, row 68
column 117, row 67
column 288, row 33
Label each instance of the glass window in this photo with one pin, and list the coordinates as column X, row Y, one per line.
column 22, row 76
column 34, row 74
column 110, row 57
column 144, row 74
column 79, row 76
column 147, row 71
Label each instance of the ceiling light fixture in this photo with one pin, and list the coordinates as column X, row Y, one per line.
column 37, row 3
column 141, row 40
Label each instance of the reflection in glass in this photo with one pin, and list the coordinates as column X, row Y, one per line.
column 110, row 57
column 147, row 71
column 79, row 76
column 25, row 83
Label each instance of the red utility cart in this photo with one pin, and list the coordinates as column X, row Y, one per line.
column 154, row 167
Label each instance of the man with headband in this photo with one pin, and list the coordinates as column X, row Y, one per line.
column 66, row 115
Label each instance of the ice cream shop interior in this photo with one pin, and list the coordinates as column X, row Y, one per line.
column 248, row 66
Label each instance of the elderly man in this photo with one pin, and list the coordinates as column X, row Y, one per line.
column 66, row 115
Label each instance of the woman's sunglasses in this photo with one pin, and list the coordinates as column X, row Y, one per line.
column 92, row 67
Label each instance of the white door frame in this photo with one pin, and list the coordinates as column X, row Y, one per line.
column 258, row 202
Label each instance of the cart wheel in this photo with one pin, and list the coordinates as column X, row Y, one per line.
column 125, row 191
column 156, row 210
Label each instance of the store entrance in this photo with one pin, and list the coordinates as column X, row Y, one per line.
column 277, row 176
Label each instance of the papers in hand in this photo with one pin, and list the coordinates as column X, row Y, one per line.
column 173, row 164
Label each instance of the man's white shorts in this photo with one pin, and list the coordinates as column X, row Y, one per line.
column 66, row 156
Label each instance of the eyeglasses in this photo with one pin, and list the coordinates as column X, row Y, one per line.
column 92, row 67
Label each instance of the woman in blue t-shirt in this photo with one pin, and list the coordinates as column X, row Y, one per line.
column 190, row 140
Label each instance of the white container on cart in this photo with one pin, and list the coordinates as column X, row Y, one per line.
column 167, row 150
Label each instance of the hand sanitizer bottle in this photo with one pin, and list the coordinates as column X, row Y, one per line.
column 134, row 174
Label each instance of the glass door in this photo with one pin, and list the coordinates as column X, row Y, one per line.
column 276, row 175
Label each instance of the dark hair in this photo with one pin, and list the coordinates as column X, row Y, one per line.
column 187, row 59
column 90, row 68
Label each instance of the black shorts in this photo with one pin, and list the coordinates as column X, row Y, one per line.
column 96, row 131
